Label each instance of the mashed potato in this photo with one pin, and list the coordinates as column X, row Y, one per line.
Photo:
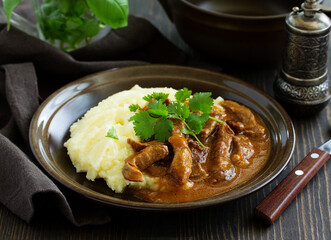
column 102, row 157
column 99, row 156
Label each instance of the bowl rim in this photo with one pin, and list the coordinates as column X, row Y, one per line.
column 235, row 16
column 148, row 206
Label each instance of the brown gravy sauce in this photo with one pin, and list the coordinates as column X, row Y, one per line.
column 172, row 192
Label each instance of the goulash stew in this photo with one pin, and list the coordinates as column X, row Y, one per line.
column 225, row 154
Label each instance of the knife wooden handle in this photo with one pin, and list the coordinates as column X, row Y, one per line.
column 278, row 199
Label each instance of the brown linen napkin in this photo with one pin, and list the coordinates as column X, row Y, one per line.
column 24, row 187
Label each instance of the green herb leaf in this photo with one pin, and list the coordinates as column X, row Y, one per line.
column 197, row 121
column 65, row 20
column 158, row 112
column 134, row 107
column 182, row 95
column 178, row 110
column 144, row 124
column 186, row 131
column 217, row 120
column 201, row 102
column 112, row 133
column 163, row 130
column 157, row 105
column 72, row 7
column 111, row 12
column 65, row 5
column 157, row 96
column 8, row 7
column 157, row 109
column 156, row 120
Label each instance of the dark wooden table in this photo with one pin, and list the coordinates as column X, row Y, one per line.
column 308, row 217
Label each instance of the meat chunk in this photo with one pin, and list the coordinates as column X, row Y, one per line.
column 138, row 146
column 211, row 124
column 208, row 129
column 221, row 166
column 198, row 172
column 237, row 127
column 156, row 170
column 242, row 151
column 199, row 156
column 243, row 120
column 167, row 101
column 180, row 167
column 141, row 160
column 178, row 125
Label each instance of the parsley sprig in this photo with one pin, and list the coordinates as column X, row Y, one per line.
column 193, row 110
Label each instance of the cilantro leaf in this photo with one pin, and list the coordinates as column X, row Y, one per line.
column 197, row 121
column 157, row 109
column 201, row 102
column 112, row 133
column 178, row 110
column 217, row 120
column 157, row 96
column 143, row 124
column 183, row 94
column 158, row 112
column 157, row 105
column 134, row 107
column 156, row 120
column 163, row 130
column 186, row 131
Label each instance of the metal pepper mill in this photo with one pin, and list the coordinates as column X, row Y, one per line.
column 303, row 83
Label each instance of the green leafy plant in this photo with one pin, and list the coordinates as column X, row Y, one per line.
column 156, row 120
column 73, row 21
column 112, row 133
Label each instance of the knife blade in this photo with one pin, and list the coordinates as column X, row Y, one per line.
column 270, row 208
column 326, row 147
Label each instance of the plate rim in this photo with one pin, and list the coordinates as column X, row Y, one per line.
column 121, row 203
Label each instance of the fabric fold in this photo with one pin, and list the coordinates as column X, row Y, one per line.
column 23, row 103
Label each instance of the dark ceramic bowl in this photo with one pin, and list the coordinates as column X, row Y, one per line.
column 241, row 30
column 50, row 127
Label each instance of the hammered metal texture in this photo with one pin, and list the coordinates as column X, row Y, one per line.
column 301, row 93
column 305, row 56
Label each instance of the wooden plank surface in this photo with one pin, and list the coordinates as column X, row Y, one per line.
column 308, row 217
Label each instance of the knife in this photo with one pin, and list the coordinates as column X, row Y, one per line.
column 279, row 198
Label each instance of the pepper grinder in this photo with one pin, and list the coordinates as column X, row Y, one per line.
column 303, row 83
